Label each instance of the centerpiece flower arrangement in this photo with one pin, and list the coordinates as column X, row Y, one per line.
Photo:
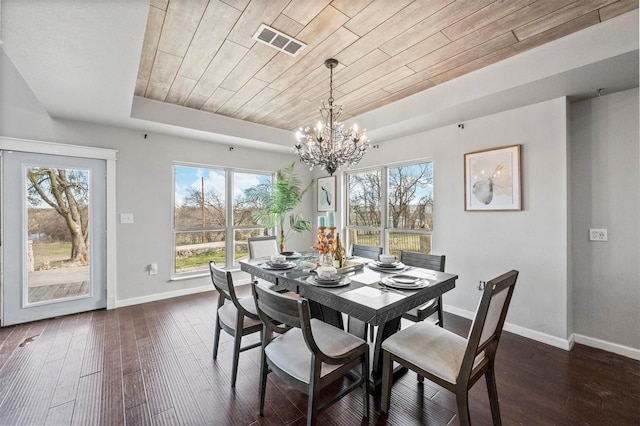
column 325, row 245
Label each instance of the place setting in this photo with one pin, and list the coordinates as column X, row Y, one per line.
column 327, row 276
column 278, row 262
column 404, row 282
column 387, row 263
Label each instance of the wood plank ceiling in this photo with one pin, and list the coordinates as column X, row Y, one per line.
column 201, row 54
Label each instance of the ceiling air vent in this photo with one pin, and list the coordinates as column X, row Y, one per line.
column 278, row 40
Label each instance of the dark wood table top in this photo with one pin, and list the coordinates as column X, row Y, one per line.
column 363, row 298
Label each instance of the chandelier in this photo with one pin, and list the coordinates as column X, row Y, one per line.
column 328, row 145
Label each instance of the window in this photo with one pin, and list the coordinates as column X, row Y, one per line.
column 410, row 208
column 405, row 222
column 206, row 226
column 364, row 212
column 243, row 223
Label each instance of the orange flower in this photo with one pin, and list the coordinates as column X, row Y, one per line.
column 324, row 244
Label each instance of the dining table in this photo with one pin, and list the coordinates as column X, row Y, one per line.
column 365, row 295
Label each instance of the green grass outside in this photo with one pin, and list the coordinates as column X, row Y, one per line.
column 54, row 253
column 202, row 259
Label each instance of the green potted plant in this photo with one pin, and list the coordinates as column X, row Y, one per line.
column 282, row 196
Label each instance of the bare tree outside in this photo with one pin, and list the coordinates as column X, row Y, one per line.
column 67, row 193
column 411, row 196
column 200, row 209
column 364, row 198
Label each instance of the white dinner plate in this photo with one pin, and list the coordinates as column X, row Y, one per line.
column 399, row 266
column 279, row 266
column 393, row 264
column 340, row 283
column 388, row 282
column 404, row 279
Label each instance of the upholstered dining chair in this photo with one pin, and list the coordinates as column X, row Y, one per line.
column 236, row 315
column 427, row 261
column 366, row 251
column 307, row 354
column 449, row 360
column 262, row 247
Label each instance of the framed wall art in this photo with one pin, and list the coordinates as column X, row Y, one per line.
column 327, row 194
column 492, row 179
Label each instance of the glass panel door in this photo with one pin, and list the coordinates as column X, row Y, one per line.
column 54, row 236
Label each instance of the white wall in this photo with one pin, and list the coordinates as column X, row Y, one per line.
column 606, row 194
column 482, row 245
column 23, row 117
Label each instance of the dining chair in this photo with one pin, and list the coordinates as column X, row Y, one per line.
column 307, row 354
column 452, row 361
column 427, row 261
column 236, row 315
column 366, row 251
column 262, row 247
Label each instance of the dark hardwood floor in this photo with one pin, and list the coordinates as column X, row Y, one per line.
column 151, row 364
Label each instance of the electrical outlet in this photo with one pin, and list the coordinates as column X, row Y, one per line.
column 597, row 235
column 126, row 217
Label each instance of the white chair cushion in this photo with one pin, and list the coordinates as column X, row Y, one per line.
column 228, row 313
column 290, row 353
column 434, row 349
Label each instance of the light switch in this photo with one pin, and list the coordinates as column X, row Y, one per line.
column 126, row 217
column 153, row 269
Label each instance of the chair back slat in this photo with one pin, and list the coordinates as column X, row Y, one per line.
column 276, row 308
column 422, row 260
column 487, row 325
column 366, row 251
column 262, row 246
column 222, row 281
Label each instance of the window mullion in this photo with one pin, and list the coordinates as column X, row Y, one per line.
column 384, row 208
column 229, row 220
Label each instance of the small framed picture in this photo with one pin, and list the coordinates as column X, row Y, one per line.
column 327, row 194
column 492, row 179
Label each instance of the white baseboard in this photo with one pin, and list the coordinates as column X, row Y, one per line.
column 565, row 344
column 615, row 348
column 548, row 339
column 162, row 296
column 170, row 294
